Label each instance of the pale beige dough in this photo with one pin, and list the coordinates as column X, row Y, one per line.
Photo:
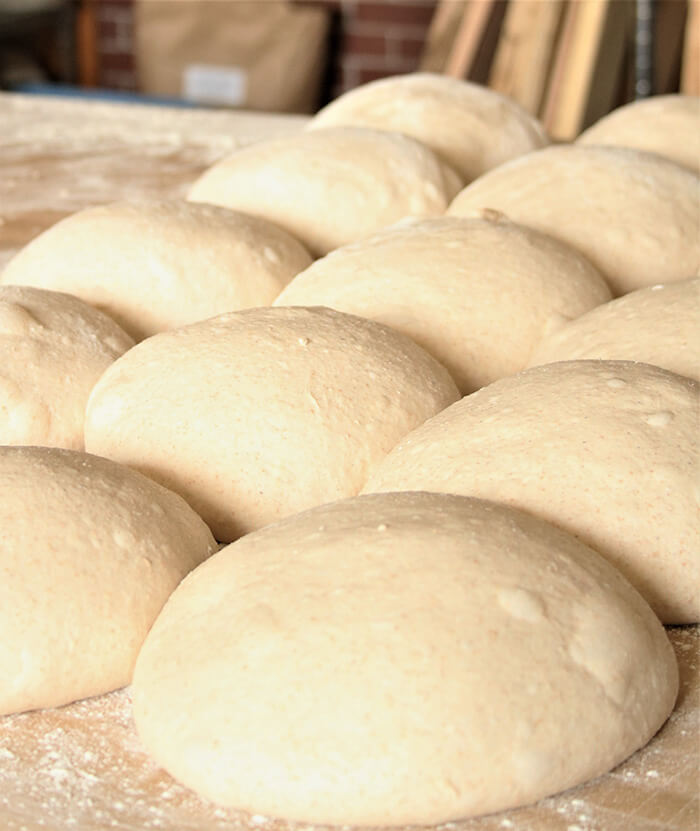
column 607, row 450
column 471, row 127
column 665, row 124
column 331, row 187
column 53, row 349
column 400, row 658
column 89, row 553
column 635, row 215
column 258, row 414
column 156, row 265
column 476, row 294
column 658, row 325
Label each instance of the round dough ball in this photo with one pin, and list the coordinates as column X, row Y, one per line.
column 665, row 124
column 154, row 266
column 471, row 127
column 477, row 294
column 89, row 553
column 658, row 325
column 400, row 658
column 607, row 450
column 330, row 187
column 634, row 215
column 53, row 349
column 258, row 414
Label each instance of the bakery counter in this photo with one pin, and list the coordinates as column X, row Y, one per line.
column 82, row 766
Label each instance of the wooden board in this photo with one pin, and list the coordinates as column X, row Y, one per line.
column 469, row 38
column 441, row 34
column 81, row 767
column 525, row 51
column 60, row 155
column 587, row 66
column 690, row 73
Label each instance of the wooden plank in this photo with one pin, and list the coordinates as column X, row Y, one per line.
column 525, row 51
column 441, row 34
column 86, row 37
column 587, row 67
column 669, row 28
column 690, row 74
column 470, row 34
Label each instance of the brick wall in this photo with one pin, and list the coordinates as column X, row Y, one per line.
column 372, row 40
column 379, row 39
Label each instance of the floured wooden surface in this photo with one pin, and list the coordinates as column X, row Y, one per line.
column 82, row 767
column 58, row 156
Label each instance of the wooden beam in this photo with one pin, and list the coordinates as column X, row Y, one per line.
column 525, row 51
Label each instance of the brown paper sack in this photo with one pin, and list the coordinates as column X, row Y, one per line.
column 254, row 54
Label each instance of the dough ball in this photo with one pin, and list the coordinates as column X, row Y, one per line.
column 658, row 325
column 665, row 124
column 633, row 214
column 89, row 553
column 53, row 349
column 476, row 294
column 330, row 187
column 471, row 127
column 400, row 658
column 607, row 450
column 153, row 266
column 262, row 413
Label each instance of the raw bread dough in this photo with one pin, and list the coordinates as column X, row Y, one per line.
column 658, row 325
column 89, row 553
column 331, row 187
column 665, row 124
column 607, row 450
column 255, row 415
column 53, row 349
column 471, row 127
column 476, row 294
column 635, row 215
column 153, row 266
column 400, row 658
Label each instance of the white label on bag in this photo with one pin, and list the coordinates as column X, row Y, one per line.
column 215, row 84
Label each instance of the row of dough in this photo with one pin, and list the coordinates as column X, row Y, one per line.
column 338, row 666
column 502, row 298
column 261, row 413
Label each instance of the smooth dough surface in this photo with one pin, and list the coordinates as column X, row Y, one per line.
column 400, row 658
column 89, row 553
column 607, row 450
column 635, row 215
column 476, row 294
column 473, row 128
column 330, row 187
column 53, row 349
column 156, row 265
column 665, row 124
column 258, row 414
column 658, row 325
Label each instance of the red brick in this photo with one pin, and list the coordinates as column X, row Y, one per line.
column 117, row 61
column 416, row 13
column 106, row 30
column 367, row 75
column 406, row 47
column 363, row 45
